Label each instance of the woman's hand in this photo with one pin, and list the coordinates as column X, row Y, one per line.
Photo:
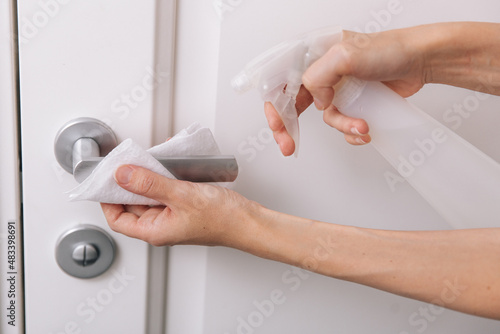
column 193, row 213
column 393, row 57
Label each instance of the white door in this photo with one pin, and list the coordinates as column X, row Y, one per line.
column 104, row 60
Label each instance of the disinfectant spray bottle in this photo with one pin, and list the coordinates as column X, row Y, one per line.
column 459, row 181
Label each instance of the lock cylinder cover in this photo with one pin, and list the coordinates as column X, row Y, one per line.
column 85, row 251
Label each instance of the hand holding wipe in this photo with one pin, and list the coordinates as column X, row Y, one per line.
column 100, row 185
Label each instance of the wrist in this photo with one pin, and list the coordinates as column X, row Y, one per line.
column 458, row 53
column 438, row 50
column 241, row 228
column 267, row 234
column 420, row 45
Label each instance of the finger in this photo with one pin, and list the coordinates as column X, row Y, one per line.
column 357, row 140
column 281, row 135
column 128, row 223
column 324, row 73
column 283, row 139
column 348, row 125
column 144, row 182
column 137, row 210
column 111, row 210
column 119, row 220
column 303, row 100
column 273, row 118
column 285, row 142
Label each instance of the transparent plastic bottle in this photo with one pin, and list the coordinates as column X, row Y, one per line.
column 458, row 180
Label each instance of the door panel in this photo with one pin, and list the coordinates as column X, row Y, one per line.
column 84, row 59
column 329, row 181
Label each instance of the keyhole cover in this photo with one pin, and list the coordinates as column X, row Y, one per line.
column 85, row 251
column 85, row 254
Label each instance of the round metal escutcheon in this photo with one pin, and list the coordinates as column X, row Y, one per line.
column 90, row 241
column 83, row 127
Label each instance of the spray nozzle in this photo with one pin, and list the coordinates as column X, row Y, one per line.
column 277, row 73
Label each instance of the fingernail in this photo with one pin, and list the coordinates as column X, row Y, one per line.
column 360, row 141
column 319, row 105
column 123, row 174
column 355, row 131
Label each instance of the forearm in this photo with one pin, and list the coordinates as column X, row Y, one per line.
column 463, row 54
column 456, row 269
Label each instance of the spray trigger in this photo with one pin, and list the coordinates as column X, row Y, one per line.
column 277, row 73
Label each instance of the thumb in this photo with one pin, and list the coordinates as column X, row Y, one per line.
column 144, row 182
column 325, row 73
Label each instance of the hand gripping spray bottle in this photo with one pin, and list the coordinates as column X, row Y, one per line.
column 459, row 181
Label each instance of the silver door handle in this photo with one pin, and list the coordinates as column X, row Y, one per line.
column 196, row 168
column 82, row 143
